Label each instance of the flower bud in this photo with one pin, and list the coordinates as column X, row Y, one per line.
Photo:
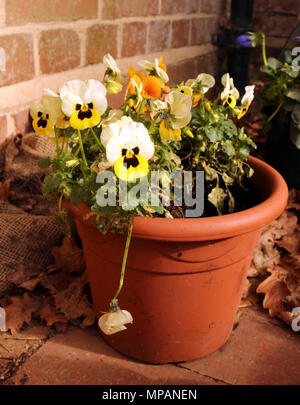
column 113, row 87
column 188, row 132
column 72, row 163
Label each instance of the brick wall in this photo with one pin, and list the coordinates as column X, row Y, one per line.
column 50, row 41
column 276, row 18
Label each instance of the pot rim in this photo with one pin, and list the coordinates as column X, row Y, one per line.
column 270, row 183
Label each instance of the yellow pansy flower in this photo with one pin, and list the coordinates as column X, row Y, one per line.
column 167, row 133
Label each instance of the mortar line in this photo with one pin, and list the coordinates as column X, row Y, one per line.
column 203, row 375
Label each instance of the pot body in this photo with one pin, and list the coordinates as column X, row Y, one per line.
column 184, row 277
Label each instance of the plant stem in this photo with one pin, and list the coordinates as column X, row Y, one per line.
column 60, row 201
column 263, row 47
column 81, row 148
column 57, row 142
column 114, row 301
column 275, row 112
column 97, row 140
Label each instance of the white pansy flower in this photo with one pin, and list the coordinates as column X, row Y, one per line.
column 110, row 63
column 114, row 129
column 176, row 116
column 246, row 100
column 180, row 108
column 83, row 102
column 128, row 148
column 113, row 322
column 204, row 80
column 158, row 68
column 248, row 96
column 230, row 94
column 156, row 106
column 2, row 60
column 112, row 77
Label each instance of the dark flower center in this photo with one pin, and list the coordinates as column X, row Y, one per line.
column 130, row 158
column 84, row 111
column 42, row 122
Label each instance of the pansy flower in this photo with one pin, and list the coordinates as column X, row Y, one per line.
column 135, row 80
column 112, row 68
column 114, row 321
column 46, row 113
column 230, row 94
column 200, row 86
column 151, row 87
column 128, row 148
column 246, row 100
column 112, row 77
column 158, row 68
column 176, row 116
column 83, row 102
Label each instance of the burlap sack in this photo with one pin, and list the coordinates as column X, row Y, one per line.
column 25, row 239
column 28, row 227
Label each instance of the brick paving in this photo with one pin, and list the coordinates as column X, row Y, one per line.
column 259, row 351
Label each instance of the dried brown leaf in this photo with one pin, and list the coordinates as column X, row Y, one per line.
column 48, row 313
column 19, row 311
column 22, row 274
column 73, row 302
column 291, row 243
column 5, row 191
column 275, row 289
column 69, row 257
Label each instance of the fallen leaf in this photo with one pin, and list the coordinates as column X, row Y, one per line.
column 73, row 302
column 22, row 274
column 19, row 311
column 275, row 289
column 290, row 243
column 5, row 191
column 48, row 313
column 69, row 257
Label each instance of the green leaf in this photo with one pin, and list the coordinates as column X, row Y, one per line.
column 293, row 94
column 211, row 134
column 296, row 115
column 44, row 162
column 228, row 148
column 267, row 70
column 227, row 179
column 274, row 63
column 57, row 180
column 102, row 211
column 295, row 136
column 217, row 197
column 231, row 202
column 77, row 195
column 159, row 209
column 210, row 173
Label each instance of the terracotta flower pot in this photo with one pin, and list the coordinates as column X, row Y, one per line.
column 184, row 277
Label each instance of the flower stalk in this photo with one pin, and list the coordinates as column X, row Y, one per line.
column 114, row 302
column 81, row 148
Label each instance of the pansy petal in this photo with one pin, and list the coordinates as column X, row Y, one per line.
column 108, row 132
column 74, row 88
column 113, row 149
column 69, row 102
column 35, row 109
